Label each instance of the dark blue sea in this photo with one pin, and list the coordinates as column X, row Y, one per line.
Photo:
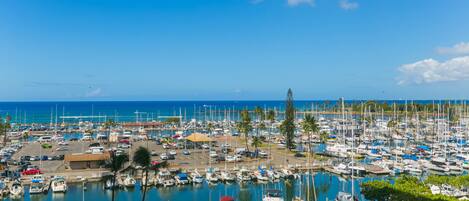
column 97, row 111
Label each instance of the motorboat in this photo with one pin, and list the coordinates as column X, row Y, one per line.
column 343, row 196
column 196, row 177
column 227, row 176
column 272, row 195
column 16, row 189
column 129, row 181
column 211, row 176
column 38, row 185
column 59, row 185
column 181, row 179
column 243, row 175
column 165, row 179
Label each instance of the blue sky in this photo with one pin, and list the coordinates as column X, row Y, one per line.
column 233, row 49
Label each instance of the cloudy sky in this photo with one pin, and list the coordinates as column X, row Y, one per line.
column 233, row 49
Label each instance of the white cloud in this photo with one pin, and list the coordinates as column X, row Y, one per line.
column 94, row 93
column 460, row 48
column 431, row 71
column 294, row 3
column 347, row 5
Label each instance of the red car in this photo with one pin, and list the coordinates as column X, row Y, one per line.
column 31, row 172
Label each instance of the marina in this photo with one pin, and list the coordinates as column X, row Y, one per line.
column 213, row 152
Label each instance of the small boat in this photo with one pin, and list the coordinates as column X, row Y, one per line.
column 243, row 175
column 273, row 175
column 165, row 179
column 16, row 189
column 147, row 182
column 227, row 176
column 273, row 195
column 38, row 185
column 129, row 181
column 4, row 190
column 59, row 185
column 287, row 173
column 211, row 176
column 181, row 179
column 343, row 196
column 261, row 175
column 342, row 169
column 196, row 177
column 110, row 184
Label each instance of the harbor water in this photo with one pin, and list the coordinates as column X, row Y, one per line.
column 327, row 187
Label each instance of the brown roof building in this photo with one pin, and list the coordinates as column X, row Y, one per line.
column 86, row 161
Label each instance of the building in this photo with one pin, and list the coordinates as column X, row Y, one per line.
column 85, row 161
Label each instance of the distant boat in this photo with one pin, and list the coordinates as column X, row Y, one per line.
column 273, row 195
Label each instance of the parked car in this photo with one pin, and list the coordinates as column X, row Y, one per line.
column 213, row 154
column 31, row 171
column 299, row 155
column 164, row 156
column 172, row 152
column 186, row 152
column 153, row 153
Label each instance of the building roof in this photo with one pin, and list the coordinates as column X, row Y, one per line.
column 199, row 137
column 86, row 157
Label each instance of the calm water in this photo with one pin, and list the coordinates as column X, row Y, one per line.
column 327, row 187
column 44, row 112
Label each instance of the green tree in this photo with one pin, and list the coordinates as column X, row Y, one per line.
column 271, row 118
column 142, row 157
column 115, row 164
column 256, row 142
column 288, row 125
column 244, row 126
column 4, row 127
column 310, row 127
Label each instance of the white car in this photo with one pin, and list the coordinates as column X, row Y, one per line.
column 63, row 143
column 263, row 154
column 163, row 156
column 205, row 146
column 173, row 152
column 124, row 146
column 230, row 158
column 213, row 154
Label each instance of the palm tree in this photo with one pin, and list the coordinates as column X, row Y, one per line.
column 4, row 126
column 108, row 125
column 115, row 163
column 310, row 126
column 245, row 126
column 271, row 118
column 142, row 157
column 256, row 142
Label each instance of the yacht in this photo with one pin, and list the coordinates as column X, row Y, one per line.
column 261, row 175
column 38, row 185
column 59, row 185
column 273, row 195
column 342, row 169
column 196, row 177
column 181, row 179
column 343, row 196
column 145, row 181
column 129, row 181
column 243, row 175
column 16, row 189
column 164, row 178
column 227, row 176
column 211, row 176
